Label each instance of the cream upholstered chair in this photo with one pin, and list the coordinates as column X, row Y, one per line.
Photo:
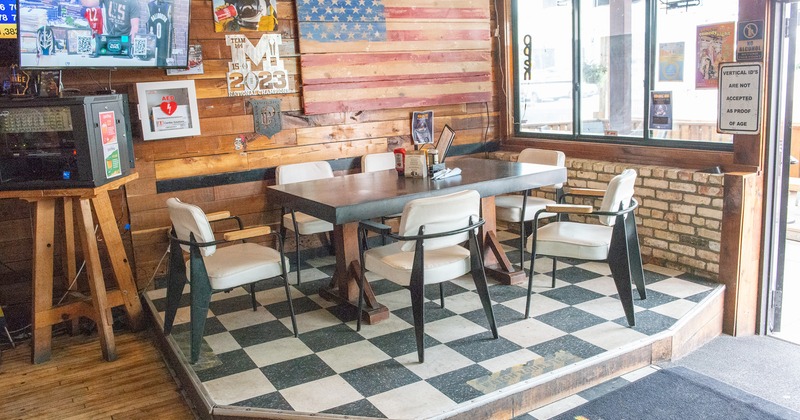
column 614, row 239
column 429, row 250
column 212, row 269
column 301, row 223
column 377, row 162
column 521, row 208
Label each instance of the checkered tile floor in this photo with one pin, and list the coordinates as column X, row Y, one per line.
column 251, row 359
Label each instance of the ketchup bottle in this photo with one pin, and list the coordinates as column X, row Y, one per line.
column 400, row 160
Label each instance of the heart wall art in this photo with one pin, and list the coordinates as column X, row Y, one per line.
column 168, row 109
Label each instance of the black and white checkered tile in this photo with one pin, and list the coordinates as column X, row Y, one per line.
column 252, row 359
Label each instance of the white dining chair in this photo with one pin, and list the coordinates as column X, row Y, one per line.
column 374, row 162
column 521, row 208
column 614, row 239
column 377, row 162
column 299, row 222
column 429, row 249
column 212, row 268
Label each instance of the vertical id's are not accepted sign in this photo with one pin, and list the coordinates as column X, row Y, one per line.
column 739, row 98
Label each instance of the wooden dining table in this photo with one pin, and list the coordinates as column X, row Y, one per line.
column 346, row 200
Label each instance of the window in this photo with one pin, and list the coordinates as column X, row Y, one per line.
column 588, row 69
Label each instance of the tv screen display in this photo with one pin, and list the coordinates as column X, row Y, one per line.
column 57, row 34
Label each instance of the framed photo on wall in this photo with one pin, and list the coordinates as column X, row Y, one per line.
column 168, row 109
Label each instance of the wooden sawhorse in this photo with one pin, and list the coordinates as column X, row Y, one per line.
column 98, row 306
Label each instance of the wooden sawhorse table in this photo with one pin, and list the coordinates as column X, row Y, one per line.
column 98, row 306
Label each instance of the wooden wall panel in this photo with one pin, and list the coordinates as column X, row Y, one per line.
column 330, row 136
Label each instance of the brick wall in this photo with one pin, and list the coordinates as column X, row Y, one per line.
column 679, row 217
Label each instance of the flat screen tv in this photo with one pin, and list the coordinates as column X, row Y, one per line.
column 57, row 34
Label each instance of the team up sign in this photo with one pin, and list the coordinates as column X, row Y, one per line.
column 256, row 69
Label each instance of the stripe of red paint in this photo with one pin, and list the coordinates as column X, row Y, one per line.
column 435, row 12
column 373, row 81
column 394, row 82
column 312, row 60
column 470, row 35
column 400, row 102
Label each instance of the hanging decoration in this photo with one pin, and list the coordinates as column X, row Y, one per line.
column 256, row 70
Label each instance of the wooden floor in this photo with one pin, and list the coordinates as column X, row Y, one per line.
column 78, row 384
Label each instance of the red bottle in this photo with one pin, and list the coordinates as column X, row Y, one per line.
column 400, row 160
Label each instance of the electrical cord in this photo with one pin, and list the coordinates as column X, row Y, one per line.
column 155, row 271
column 74, row 280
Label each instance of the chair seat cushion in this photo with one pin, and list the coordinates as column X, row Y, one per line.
column 508, row 208
column 394, row 264
column 240, row 264
column 573, row 240
column 306, row 224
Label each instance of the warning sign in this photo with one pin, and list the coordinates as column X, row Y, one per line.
column 750, row 41
column 739, row 98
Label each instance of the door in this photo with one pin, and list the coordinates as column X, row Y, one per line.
column 781, row 242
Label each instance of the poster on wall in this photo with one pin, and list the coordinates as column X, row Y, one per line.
column 661, row 110
column 195, row 62
column 422, row 127
column 714, row 46
column 245, row 15
column 670, row 62
column 108, row 135
column 168, row 109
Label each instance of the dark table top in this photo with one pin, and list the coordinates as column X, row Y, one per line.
column 361, row 196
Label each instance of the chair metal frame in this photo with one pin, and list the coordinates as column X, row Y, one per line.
column 417, row 281
column 200, row 290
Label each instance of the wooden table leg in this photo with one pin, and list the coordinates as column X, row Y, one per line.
column 44, row 228
column 345, row 243
column 119, row 259
column 97, row 286
column 495, row 260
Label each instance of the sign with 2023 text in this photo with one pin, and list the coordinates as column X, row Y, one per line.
column 256, row 69
column 739, row 98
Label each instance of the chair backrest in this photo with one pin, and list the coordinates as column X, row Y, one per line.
column 618, row 193
column 543, row 157
column 377, row 162
column 188, row 218
column 441, row 213
column 299, row 172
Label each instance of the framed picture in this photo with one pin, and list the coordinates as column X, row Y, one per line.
column 168, row 109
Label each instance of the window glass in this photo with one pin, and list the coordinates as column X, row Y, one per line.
column 690, row 44
column 543, row 35
column 612, row 67
column 610, row 56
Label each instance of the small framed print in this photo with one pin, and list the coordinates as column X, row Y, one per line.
column 168, row 109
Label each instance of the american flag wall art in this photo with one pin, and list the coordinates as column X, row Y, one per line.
column 375, row 54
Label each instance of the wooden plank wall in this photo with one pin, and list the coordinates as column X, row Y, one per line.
column 222, row 118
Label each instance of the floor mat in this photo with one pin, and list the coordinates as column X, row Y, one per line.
column 681, row 394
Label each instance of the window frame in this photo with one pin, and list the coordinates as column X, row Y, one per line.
column 650, row 42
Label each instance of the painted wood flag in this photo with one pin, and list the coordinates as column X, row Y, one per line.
column 375, row 54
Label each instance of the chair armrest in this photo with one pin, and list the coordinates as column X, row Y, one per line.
column 586, row 192
column 219, row 215
column 252, row 232
column 375, row 227
column 569, row 208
